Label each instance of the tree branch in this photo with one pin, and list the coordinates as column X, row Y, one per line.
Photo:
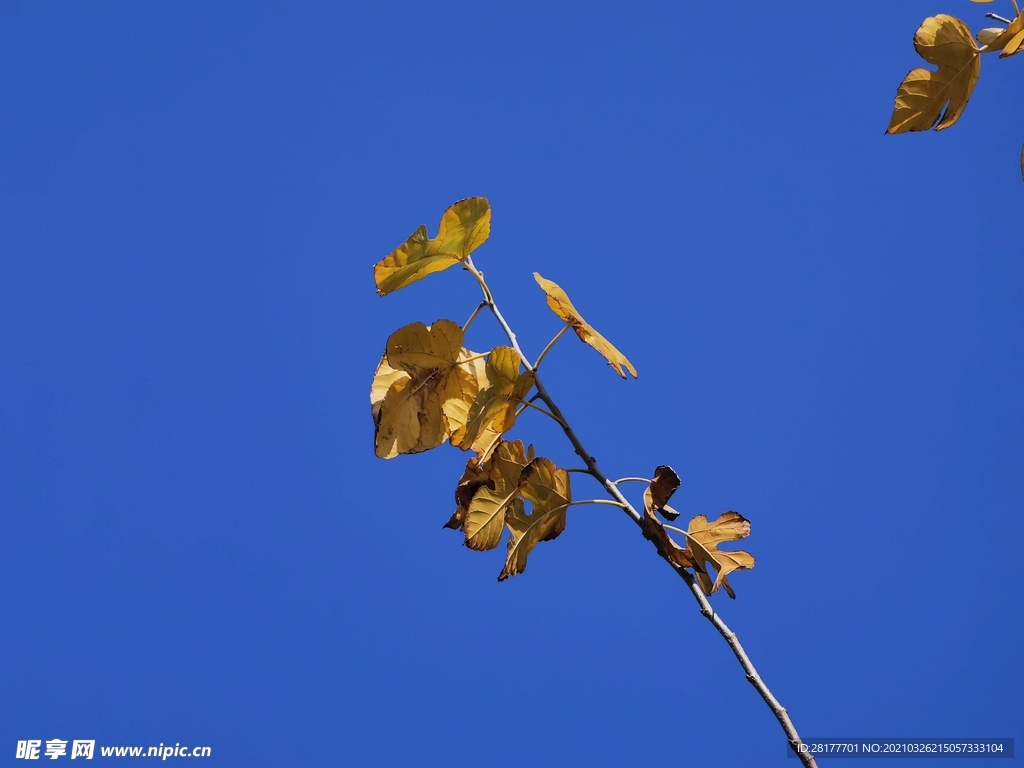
column 613, row 490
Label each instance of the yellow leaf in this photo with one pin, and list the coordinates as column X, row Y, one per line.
column 473, row 478
column 547, row 487
column 561, row 306
column 410, row 418
column 703, row 539
column 923, row 95
column 493, row 412
column 485, row 519
column 464, row 227
column 457, row 411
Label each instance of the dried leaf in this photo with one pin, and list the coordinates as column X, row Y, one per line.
column 547, row 487
column 923, row 95
column 703, row 539
column 561, row 306
column 464, row 227
column 656, row 496
column 473, row 478
column 665, row 483
column 485, row 519
column 411, row 415
column 493, row 412
column 654, row 531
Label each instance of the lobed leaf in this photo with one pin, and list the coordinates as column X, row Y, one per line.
column 927, row 99
column 464, row 227
column 703, row 539
column 547, row 487
column 422, row 380
column 493, row 411
column 559, row 302
column 485, row 518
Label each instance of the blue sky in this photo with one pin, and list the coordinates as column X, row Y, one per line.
column 199, row 545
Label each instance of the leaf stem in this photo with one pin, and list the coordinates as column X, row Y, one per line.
column 465, row 326
column 547, row 413
column 580, row 470
column 688, row 578
column 677, row 530
column 631, row 480
column 551, row 343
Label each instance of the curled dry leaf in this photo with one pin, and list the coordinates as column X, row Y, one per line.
column 464, row 227
column 547, row 487
column 559, row 302
column 664, row 484
column 485, row 518
column 703, row 539
column 421, row 379
column 656, row 496
column 923, row 95
column 493, row 411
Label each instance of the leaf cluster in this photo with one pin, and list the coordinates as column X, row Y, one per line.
column 430, row 388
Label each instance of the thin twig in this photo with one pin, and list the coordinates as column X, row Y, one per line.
column 632, row 480
column 595, row 501
column 580, row 470
column 465, row 326
column 997, row 17
column 551, row 343
column 702, row 601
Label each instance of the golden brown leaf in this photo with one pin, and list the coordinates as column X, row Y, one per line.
column 485, row 519
column 547, row 487
column 703, row 539
column 464, row 227
column 473, row 478
column 923, row 95
column 561, row 306
column 411, row 415
column 493, row 412
column 664, row 484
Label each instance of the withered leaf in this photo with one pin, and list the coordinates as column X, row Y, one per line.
column 656, row 496
column 547, row 487
column 664, row 484
column 493, row 411
column 559, row 302
column 923, row 95
column 703, row 539
column 411, row 416
column 464, row 227
column 485, row 519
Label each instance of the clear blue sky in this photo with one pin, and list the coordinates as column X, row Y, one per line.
column 198, row 545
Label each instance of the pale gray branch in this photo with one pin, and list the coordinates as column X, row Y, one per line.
column 688, row 578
